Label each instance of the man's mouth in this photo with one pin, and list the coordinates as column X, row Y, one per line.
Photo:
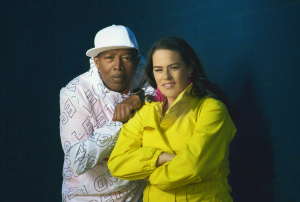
column 118, row 78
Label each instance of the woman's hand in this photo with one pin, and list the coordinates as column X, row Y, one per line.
column 164, row 158
column 124, row 110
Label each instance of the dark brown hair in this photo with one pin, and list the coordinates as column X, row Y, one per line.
column 201, row 85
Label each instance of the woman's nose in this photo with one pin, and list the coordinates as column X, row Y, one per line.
column 166, row 74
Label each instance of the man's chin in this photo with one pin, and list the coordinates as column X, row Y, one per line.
column 118, row 87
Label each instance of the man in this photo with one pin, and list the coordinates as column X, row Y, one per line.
column 88, row 105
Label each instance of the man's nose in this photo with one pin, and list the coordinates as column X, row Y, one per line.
column 118, row 64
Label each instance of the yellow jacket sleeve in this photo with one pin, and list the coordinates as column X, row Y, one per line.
column 129, row 160
column 204, row 151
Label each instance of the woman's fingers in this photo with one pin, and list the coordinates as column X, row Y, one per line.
column 164, row 158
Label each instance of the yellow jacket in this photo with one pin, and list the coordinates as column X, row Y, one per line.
column 197, row 130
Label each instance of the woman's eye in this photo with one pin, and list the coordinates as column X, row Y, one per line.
column 158, row 70
column 175, row 67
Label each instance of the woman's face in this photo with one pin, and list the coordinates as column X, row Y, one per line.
column 170, row 73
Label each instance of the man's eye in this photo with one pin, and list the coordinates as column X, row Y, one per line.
column 108, row 57
column 127, row 58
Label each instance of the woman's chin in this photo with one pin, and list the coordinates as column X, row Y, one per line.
column 171, row 96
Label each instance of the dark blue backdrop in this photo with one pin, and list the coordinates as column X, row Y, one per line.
column 250, row 48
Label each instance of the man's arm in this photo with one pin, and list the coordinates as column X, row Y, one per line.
column 125, row 109
column 84, row 146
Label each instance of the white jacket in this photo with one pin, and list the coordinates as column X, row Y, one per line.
column 88, row 136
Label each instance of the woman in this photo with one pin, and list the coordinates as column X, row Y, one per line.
column 179, row 144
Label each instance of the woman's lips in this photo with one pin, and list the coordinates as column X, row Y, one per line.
column 168, row 85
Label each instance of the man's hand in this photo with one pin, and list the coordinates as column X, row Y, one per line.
column 124, row 110
column 164, row 158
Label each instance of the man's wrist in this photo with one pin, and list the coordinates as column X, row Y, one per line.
column 138, row 101
column 140, row 93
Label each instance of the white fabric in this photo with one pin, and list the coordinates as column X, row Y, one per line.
column 88, row 136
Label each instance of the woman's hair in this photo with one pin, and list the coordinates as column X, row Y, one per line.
column 201, row 85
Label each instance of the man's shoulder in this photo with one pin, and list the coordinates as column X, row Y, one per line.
column 78, row 85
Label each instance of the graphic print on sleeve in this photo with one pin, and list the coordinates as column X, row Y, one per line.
column 88, row 137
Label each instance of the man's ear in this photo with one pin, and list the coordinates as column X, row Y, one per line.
column 96, row 61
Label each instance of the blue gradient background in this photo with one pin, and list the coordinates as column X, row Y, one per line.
column 250, row 48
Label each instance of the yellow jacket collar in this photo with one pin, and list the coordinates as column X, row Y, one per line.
column 181, row 99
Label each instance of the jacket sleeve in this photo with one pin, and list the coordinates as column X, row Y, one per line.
column 203, row 153
column 129, row 160
column 84, row 145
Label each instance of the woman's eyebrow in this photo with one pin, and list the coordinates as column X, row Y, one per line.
column 175, row 63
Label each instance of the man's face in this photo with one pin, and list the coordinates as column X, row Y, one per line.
column 117, row 67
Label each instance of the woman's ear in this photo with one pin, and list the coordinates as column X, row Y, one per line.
column 190, row 70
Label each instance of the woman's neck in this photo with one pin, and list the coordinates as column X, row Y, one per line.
column 167, row 105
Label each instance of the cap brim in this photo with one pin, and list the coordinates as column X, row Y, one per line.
column 95, row 51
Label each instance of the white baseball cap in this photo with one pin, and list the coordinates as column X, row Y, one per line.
column 113, row 37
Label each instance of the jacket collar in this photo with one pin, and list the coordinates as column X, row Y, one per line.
column 152, row 119
column 182, row 98
column 180, row 101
